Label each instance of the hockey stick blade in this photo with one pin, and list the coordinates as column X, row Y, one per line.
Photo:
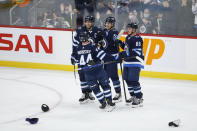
column 120, row 34
column 121, row 31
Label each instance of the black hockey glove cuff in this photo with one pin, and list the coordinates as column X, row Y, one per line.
column 72, row 61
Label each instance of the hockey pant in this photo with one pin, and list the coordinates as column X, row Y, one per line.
column 112, row 72
column 84, row 85
column 131, row 76
column 96, row 77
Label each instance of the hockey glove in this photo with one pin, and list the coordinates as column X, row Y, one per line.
column 120, row 44
column 73, row 61
column 123, row 54
column 102, row 44
column 100, row 34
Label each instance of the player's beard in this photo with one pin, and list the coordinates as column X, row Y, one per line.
column 89, row 26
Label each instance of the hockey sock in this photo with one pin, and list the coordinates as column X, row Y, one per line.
column 131, row 90
column 107, row 92
column 133, row 87
column 137, row 92
column 116, row 85
column 84, row 86
column 99, row 95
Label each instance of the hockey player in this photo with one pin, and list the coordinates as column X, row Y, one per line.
column 133, row 55
column 88, row 55
column 111, row 47
column 93, row 33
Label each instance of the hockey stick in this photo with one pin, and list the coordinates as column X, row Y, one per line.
column 92, row 66
column 71, row 25
column 125, row 96
column 109, row 62
column 121, row 69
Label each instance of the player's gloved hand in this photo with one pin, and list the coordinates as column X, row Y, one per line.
column 102, row 44
column 91, row 62
column 73, row 61
column 123, row 54
column 100, row 34
column 118, row 44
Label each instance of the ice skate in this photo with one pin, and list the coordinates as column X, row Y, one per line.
column 103, row 105
column 130, row 101
column 137, row 102
column 84, row 98
column 117, row 98
column 91, row 97
column 111, row 106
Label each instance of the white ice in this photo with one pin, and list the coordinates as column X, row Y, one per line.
column 23, row 91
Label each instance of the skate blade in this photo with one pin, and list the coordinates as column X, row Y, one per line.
column 85, row 102
column 91, row 101
column 117, row 101
column 128, row 103
column 110, row 108
column 136, row 106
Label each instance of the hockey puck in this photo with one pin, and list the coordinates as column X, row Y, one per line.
column 44, row 108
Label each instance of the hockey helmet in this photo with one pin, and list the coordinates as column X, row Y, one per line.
column 83, row 36
column 133, row 25
column 111, row 20
column 90, row 18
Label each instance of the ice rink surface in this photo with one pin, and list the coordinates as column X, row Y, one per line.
column 23, row 91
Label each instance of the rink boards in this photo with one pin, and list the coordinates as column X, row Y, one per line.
column 171, row 57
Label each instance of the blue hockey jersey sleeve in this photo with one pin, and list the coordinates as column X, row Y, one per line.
column 100, row 54
column 74, row 55
column 76, row 39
